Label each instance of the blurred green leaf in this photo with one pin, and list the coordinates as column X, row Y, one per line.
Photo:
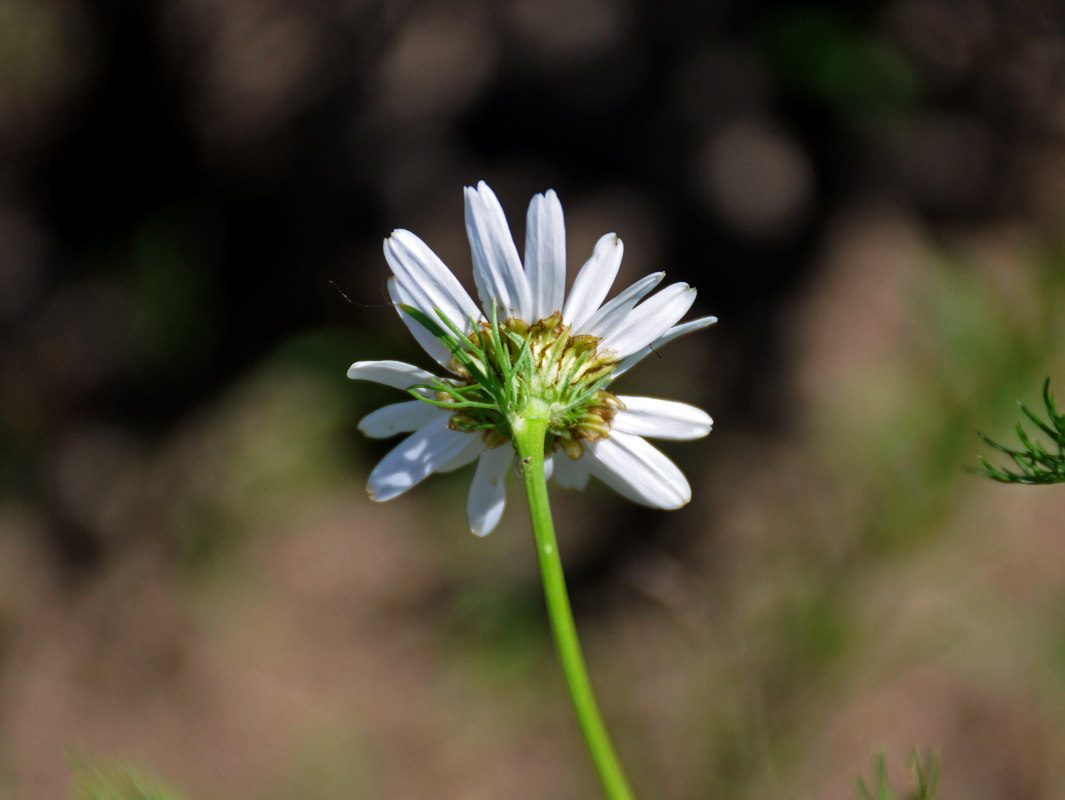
column 119, row 782
column 819, row 52
column 175, row 305
column 926, row 778
column 503, row 634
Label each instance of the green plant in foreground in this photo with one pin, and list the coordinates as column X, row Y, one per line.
column 118, row 782
column 528, row 389
column 925, row 772
column 1035, row 464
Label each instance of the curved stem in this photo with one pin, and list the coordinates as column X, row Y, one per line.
column 528, row 436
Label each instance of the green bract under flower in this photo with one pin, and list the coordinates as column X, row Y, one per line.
column 504, row 367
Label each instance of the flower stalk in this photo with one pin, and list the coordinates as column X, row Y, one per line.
column 528, row 378
column 528, row 434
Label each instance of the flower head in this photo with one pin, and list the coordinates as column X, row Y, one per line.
column 528, row 349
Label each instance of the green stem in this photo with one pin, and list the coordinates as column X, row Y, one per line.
column 528, row 434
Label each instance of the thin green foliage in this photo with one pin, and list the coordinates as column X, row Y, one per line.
column 925, row 773
column 1035, row 463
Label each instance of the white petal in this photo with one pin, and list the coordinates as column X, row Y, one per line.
column 427, row 281
column 593, row 282
column 549, row 467
column 464, row 456
column 430, row 344
column 488, row 492
column 496, row 267
column 675, row 332
column 545, row 255
column 391, row 373
column 660, row 419
column 416, row 458
column 636, row 470
column 399, row 418
column 650, row 320
column 570, row 474
column 617, row 311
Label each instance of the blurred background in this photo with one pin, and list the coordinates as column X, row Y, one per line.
column 870, row 196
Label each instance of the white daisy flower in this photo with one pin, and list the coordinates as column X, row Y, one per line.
column 530, row 344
